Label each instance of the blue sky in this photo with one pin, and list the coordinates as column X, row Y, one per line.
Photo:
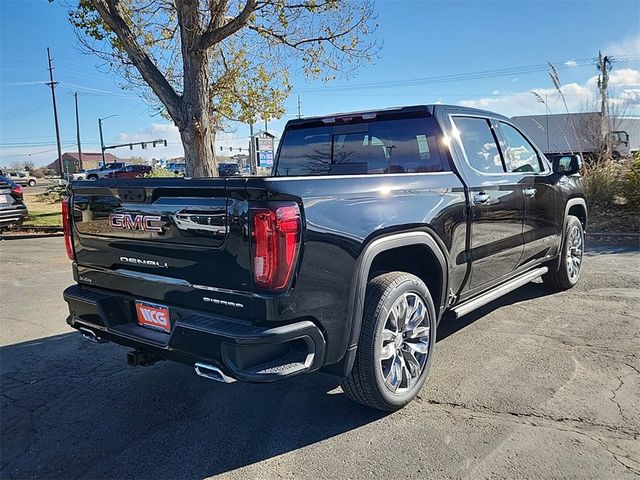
column 421, row 40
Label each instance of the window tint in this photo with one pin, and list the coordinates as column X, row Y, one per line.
column 386, row 146
column 480, row 146
column 305, row 152
column 520, row 154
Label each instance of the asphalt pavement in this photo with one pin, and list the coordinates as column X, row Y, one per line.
column 534, row 385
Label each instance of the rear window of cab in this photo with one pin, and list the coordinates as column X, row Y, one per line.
column 373, row 147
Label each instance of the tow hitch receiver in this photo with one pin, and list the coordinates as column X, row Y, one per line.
column 139, row 357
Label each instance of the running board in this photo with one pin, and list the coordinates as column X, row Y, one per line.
column 491, row 295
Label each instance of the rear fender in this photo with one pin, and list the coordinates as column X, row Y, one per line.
column 359, row 284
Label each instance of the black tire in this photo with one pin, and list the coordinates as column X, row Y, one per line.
column 366, row 382
column 568, row 274
column 32, row 183
column 92, row 177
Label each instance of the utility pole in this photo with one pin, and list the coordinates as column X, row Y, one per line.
column 299, row 108
column 101, row 139
column 53, row 85
column 75, row 95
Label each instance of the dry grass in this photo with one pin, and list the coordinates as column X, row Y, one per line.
column 41, row 213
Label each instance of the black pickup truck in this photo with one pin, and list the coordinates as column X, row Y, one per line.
column 373, row 227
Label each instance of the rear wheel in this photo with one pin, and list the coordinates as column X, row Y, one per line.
column 396, row 343
column 568, row 274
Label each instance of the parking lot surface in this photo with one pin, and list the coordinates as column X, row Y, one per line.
column 534, row 385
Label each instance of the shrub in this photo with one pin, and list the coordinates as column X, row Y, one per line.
column 53, row 194
column 602, row 184
column 610, row 184
column 630, row 185
column 160, row 173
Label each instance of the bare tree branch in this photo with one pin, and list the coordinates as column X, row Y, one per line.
column 214, row 35
column 112, row 16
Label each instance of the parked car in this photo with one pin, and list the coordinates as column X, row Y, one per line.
column 131, row 171
column 103, row 171
column 23, row 178
column 79, row 175
column 229, row 170
column 373, row 228
column 13, row 211
column 177, row 168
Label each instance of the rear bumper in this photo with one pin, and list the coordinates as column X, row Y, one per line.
column 241, row 350
column 13, row 216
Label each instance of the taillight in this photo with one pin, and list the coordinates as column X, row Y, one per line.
column 276, row 242
column 16, row 192
column 66, row 226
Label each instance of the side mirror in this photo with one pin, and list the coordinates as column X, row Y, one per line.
column 567, row 164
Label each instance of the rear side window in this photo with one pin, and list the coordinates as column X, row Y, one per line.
column 385, row 146
column 479, row 144
column 520, row 154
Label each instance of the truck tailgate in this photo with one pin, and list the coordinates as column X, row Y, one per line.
column 187, row 233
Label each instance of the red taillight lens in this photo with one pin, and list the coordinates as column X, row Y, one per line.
column 66, row 226
column 276, row 241
column 17, row 192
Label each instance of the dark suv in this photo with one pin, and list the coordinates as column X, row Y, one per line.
column 374, row 227
column 13, row 211
column 229, row 170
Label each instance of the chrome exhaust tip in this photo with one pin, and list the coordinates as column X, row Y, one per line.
column 212, row 373
column 91, row 335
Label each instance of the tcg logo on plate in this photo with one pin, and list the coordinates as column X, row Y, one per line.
column 154, row 316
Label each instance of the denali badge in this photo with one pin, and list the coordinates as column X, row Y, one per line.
column 126, row 221
column 141, row 261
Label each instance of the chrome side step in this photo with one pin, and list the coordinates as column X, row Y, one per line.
column 212, row 373
column 491, row 295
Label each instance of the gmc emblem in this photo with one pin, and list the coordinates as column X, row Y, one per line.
column 126, row 221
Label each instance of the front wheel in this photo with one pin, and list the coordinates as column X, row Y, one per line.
column 32, row 183
column 571, row 256
column 92, row 177
column 396, row 343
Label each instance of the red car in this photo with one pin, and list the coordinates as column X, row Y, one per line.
column 131, row 171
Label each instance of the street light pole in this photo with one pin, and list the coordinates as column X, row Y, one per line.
column 101, row 140
column 100, row 120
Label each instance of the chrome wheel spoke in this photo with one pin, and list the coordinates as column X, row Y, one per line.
column 405, row 341
column 387, row 352
column 421, row 346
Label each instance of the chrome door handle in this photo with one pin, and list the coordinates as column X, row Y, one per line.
column 481, row 197
column 529, row 192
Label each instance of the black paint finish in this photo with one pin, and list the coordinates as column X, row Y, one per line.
column 200, row 259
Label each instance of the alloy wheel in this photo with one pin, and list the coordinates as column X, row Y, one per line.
column 405, row 343
column 574, row 253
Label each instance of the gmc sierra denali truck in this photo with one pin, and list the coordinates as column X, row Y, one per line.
column 372, row 228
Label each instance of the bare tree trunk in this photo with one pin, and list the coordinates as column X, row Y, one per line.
column 196, row 128
column 197, row 131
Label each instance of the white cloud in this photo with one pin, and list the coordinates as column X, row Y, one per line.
column 627, row 46
column 579, row 97
column 571, row 63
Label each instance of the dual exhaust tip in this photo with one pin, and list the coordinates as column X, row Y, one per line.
column 212, row 373
column 139, row 357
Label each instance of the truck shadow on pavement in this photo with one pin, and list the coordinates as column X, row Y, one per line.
column 71, row 408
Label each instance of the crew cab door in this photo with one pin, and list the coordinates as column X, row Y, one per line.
column 542, row 222
column 496, row 200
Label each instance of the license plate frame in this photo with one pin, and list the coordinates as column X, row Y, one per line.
column 154, row 316
column 5, row 199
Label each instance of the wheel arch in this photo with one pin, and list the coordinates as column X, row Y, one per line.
column 380, row 247
column 578, row 208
